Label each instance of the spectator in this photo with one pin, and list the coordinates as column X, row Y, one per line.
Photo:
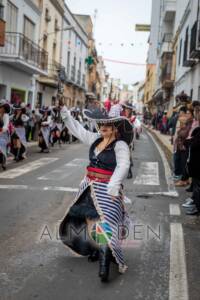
column 172, row 124
column 194, row 171
column 179, row 150
column 164, row 123
column 183, row 147
column 32, row 124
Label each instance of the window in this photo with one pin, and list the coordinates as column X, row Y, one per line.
column 199, row 93
column 180, row 52
column 11, row 17
column 191, row 94
column 29, row 29
column 185, row 53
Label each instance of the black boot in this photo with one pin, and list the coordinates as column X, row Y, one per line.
column 4, row 163
column 130, row 174
column 94, row 256
column 104, row 262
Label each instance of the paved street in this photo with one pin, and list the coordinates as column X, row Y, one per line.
column 33, row 198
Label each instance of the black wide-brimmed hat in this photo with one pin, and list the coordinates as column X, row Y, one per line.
column 128, row 105
column 6, row 105
column 123, row 125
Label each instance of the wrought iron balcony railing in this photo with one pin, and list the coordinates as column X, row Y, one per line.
column 166, row 73
column 18, row 46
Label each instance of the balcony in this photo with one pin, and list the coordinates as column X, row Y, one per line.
column 169, row 10
column 166, row 45
column 56, row 70
column 20, row 52
column 166, row 73
column 195, row 41
column 56, row 73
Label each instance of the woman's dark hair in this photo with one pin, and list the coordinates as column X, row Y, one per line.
column 23, row 110
column 1, row 123
column 183, row 109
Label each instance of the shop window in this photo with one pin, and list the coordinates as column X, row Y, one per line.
column 17, row 96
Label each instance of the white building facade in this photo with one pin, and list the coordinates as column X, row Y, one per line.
column 73, row 59
column 187, row 26
column 21, row 58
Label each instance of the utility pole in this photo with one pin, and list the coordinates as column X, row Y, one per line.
column 95, row 19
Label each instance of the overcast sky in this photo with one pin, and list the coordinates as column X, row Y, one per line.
column 115, row 25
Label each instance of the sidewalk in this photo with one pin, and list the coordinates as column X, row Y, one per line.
column 164, row 141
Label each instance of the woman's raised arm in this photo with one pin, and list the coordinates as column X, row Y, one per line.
column 85, row 136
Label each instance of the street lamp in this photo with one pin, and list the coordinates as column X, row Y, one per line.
column 60, row 30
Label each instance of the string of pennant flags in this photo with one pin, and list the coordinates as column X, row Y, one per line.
column 121, row 44
column 78, row 43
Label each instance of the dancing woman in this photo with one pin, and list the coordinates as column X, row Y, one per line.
column 18, row 138
column 4, row 131
column 57, row 125
column 44, row 132
column 97, row 213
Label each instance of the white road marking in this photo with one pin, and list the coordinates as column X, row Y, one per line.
column 64, row 171
column 32, row 166
column 36, row 188
column 174, row 210
column 168, row 175
column 168, row 194
column 178, row 285
column 148, row 174
column 13, row 187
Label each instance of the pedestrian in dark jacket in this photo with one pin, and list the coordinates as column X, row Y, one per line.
column 194, row 172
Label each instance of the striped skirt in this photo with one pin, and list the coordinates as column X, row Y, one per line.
column 4, row 141
column 110, row 217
